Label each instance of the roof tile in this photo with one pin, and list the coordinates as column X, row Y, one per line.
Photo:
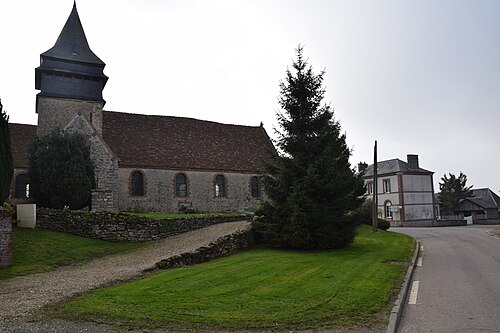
column 164, row 142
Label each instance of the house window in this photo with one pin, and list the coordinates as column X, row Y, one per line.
column 386, row 184
column 137, row 184
column 22, row 186
column 254, row 187
column 388, row 211
column 220, row 186
column 369, row 187
column 180, row 185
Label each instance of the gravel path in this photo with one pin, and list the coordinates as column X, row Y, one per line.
column 21, row 297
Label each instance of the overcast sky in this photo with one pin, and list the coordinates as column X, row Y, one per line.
column 421, row 77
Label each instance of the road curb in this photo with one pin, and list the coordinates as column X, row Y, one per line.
column 397, row 309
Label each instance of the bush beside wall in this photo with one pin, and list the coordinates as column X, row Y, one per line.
column 121, row 227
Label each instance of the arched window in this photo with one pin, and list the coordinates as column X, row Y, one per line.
column 180, row 185
column 254, row 187
column 220, row 186
column 22, row 186
column 137, row 184
column 388, row 211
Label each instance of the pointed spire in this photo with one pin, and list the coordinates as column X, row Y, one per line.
column 70, row 69
column 72, row 43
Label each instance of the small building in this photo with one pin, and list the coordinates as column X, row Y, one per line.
column 483, row 206
column 405, row 191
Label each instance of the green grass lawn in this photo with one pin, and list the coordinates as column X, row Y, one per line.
column 38, row 250
column 183, row 215
column 262, row 289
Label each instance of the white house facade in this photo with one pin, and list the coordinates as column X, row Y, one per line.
column 405, row 191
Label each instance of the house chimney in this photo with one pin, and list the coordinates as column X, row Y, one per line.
column 412, row 161
column 362, row 167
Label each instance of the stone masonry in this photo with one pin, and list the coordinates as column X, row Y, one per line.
column 5, row 239
column 159, row 194
column 58, row 112
column 121, row 227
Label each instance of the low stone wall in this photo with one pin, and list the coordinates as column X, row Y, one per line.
column 429, row 223
column 487, row 221
column 5, row 239
column 121, row 227
column 223, row 246
column 450, row 223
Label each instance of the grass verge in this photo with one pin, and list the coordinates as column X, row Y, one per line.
column 38, row 250
column 262, row 289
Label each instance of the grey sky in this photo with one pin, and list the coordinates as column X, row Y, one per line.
column 421, row 77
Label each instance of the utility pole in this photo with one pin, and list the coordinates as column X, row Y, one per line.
column 375, row 189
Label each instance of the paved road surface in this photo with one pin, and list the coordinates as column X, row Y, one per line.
column 458, row 281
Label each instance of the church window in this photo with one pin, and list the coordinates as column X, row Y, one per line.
column 180, row 185
column 254, row 187
column 220, row 186
column 22, row 186
column 137, row 183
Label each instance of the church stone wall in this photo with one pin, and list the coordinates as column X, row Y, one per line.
column 12, row 196
column 159, row 192
column 105, row 164
column 58, row 112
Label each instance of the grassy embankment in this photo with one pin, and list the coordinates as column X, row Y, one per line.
column 262, row 289
column 38, row 250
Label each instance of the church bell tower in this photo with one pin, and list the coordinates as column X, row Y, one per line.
column 70, row 79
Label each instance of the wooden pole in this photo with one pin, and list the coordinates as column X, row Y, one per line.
column 375, row 189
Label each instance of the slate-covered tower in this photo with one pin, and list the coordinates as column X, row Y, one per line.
column 70, row 79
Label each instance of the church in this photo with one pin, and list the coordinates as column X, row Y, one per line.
column 142, row 162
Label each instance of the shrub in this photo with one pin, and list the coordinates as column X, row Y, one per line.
column 61, row 171
column 383, row 224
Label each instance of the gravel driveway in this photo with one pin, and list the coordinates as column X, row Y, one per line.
column 21, row 297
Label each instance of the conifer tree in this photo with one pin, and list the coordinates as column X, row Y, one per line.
column 452, row 189
column 310, row 183
column 6, row 160
column 61, row 171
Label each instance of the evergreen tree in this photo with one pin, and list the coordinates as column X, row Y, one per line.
column 6, row 160
column 453, row 189
column 310, row 183
column 61, row 171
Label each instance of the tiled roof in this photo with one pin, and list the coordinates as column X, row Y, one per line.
column 485, row 198
column 162, row 142
column 392, row 166
column 21, row 136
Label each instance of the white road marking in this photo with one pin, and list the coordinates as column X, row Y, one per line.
column 413, row 293
column 421, row 248
column 419, row 262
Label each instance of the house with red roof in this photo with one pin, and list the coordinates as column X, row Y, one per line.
column 142, row 162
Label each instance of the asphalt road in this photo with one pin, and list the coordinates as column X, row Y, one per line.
column 457, row 287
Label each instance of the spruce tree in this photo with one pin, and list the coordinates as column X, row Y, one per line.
column 310, row 183
column 452, row 190
column 61, row 171
column 6, row 160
